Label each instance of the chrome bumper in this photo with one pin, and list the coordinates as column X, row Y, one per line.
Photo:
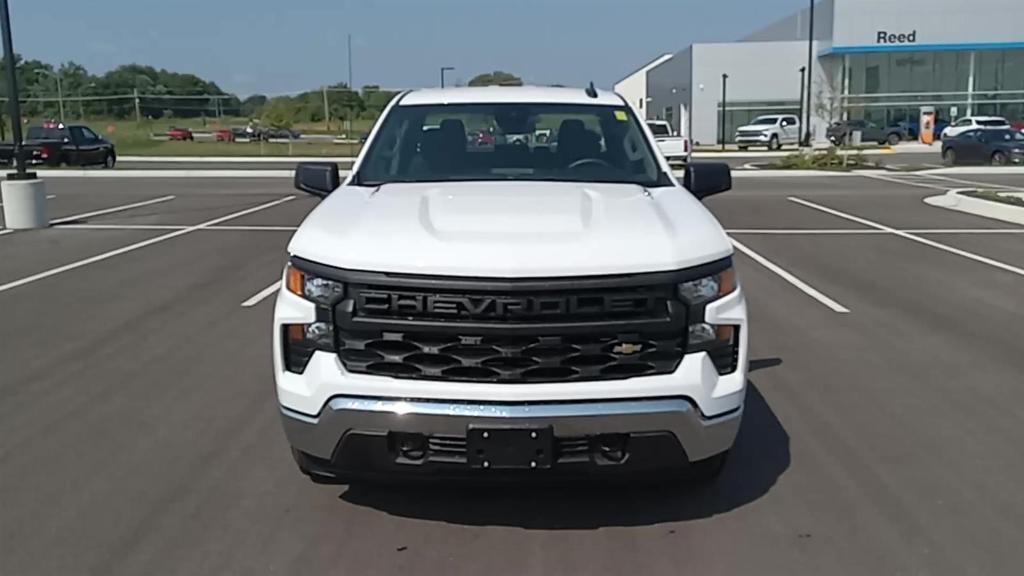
column 700, row 437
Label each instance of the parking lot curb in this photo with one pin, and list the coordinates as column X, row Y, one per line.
column 955, row 200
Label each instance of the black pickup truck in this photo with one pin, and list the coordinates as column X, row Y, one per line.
column 62, row 145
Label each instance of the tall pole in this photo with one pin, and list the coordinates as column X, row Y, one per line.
column 12, row 91
column 803, row 72
column 138, row 110
column 60, row 96
column 327, row 110
column 810, row 73
column 443, row 70
column 350, row 86
column 725, row 77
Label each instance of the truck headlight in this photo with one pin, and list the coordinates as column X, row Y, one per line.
column 322, row 291
column 708, row 288
column 301, row 340
column 720, row 341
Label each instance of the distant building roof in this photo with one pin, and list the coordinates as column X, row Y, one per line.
column 656, row 62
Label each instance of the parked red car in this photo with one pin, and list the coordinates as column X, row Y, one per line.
column 224, row 135
column 1018, row 125
column 180, row 134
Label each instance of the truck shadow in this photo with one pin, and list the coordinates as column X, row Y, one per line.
column 759, row 458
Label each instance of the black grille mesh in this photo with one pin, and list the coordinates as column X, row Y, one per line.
column 452, row 356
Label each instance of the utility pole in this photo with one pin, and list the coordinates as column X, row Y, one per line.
column 60, row 90
column 725, row 77
column 23, row 194
column 443, row 70
column 810, row 72
column 12, row 92
column 350, row 86
column 803, row 71
column 327, row 110
column 60, row 95
column 138, row 111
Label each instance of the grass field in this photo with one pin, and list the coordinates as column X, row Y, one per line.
column 135, row 139
column 199, row 148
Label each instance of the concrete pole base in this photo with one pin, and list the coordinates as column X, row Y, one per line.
column 24, row 204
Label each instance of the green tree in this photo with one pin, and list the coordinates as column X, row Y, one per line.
column 252, row 106
column 496, row 78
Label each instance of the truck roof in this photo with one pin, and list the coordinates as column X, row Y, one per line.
column 508, row 95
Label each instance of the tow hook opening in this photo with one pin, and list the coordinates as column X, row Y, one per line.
column 610, row 448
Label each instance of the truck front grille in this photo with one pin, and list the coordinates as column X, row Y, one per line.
column 532, row 330
column 508, row 359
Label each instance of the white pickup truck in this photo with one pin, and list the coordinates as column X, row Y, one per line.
column 675, row 148
column 526, row 310
column 772, row 131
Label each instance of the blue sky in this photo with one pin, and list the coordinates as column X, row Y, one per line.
column 274, row 46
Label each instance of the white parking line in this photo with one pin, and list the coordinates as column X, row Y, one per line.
column 104, row 211
column 138, row 245
column 261, row 295
column 982, row 185
column 228, row 228
column 798, row 283
column 919, row 180
column 857, row 231
column 121, row 208
column 909, row 236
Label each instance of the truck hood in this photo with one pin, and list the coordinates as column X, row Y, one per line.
column 510, row 229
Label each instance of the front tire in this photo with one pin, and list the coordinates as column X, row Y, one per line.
column 743, row 148
column 949, row 157
column 893, row 139
column 773, row 143
column 1000, row 159
column 109, row 160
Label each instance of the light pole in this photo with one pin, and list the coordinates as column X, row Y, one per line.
column 810, row 72
column 803, row 71
column 443, row 70
column 725, row 77
column 12, row 91
column 23, row 194
column 60, row 90
column 81, row 98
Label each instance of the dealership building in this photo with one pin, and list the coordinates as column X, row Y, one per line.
column 880, row 60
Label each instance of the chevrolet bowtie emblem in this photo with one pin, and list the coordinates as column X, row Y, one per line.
column 626, row 349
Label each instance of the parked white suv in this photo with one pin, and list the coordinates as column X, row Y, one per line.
column 772, row 131
column 973, row 123
column 481, row 309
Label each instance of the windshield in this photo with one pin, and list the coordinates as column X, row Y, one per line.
column 557, row 142
column 765, row 121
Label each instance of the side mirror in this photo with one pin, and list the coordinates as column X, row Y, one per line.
column 703, row 179
column 317, row 178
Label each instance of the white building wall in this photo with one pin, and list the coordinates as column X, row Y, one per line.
column 668, row 86
column 635, row 86
column 758, row 72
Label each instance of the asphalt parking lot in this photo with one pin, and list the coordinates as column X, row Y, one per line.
column 139, row 431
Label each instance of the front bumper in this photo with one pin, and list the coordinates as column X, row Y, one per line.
column 356, row 435
column 752, row 139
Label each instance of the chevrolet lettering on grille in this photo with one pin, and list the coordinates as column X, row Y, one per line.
column 371, row 302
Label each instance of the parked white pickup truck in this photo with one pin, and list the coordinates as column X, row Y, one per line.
column 772, row 131
column 529, row 309
column 673, row 147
